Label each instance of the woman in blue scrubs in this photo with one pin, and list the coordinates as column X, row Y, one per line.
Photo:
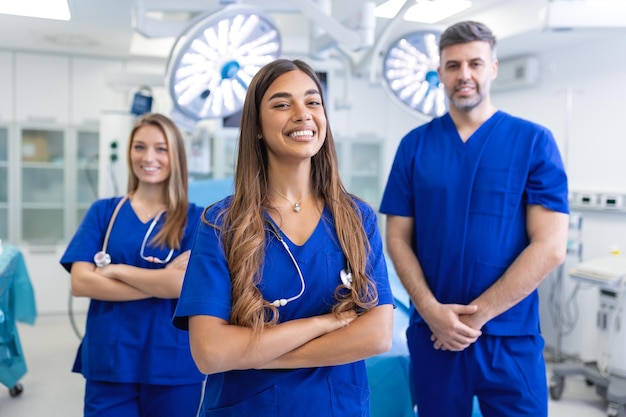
column 134, row 361
column 286, row 290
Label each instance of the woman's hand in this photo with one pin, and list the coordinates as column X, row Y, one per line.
column 180, row 262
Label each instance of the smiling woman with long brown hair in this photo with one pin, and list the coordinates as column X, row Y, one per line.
column 286, row 291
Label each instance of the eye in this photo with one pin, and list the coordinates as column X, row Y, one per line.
column 138, row 147
column 162, row 149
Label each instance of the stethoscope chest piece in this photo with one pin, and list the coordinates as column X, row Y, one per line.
column 101, row 259
column 346, row 278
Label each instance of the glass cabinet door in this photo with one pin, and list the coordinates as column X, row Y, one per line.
column 4, row 184
column 365, row 171
column 42, row 185
column 360, row 166
column 87, row 172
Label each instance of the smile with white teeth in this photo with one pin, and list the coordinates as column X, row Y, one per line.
column 150, row 169
column 301, row 133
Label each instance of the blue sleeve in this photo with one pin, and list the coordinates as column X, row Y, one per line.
column 206, row 286
column 547, row 183
column 194, row 213
column 398, row 198
column 89, row 236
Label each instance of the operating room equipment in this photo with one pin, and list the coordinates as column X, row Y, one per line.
column 608, row 373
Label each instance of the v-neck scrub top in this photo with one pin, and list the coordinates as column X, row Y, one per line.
column 469, row 201
column 131, row 341
column 325, row 391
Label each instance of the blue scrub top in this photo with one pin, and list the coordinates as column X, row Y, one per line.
column 326, row 391
column 469, row 199
column 131, row 341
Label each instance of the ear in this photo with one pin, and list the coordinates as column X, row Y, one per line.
column 494, row 69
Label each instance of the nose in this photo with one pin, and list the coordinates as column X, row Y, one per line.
column 464, row 73
column 149, row 154
column 301, row 113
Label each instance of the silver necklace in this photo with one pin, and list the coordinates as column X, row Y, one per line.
column 144, row 213
column 295, row 206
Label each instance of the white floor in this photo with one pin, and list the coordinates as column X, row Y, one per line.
column 51, row 390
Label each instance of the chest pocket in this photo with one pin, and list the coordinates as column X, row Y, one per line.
column 497, row 190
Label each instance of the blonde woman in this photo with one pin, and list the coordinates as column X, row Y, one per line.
column 129, row 256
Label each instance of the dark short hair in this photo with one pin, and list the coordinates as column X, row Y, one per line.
column 467, row 31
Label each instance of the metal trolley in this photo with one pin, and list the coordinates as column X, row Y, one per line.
column 608, row 373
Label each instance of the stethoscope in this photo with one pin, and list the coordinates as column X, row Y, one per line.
column 345, row 275
column 102, row 258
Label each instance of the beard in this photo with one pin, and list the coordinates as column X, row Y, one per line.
column 466, row 103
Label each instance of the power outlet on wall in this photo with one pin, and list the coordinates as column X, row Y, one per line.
column 612, row 201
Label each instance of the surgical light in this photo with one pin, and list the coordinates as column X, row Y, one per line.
column 410, row 73
column 214, row 60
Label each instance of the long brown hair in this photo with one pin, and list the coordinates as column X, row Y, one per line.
column 243, row 233
column 175, row 191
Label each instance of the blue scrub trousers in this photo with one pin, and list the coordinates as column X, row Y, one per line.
column 112, row 399
column 506, row 373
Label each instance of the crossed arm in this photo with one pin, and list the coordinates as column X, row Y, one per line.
column 120, row 282
column 323, row 340
column 454, row 326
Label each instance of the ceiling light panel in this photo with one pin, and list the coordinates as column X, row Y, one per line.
column 44, row 9
column 424, row 11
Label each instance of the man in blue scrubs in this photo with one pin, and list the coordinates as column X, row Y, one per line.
column 477, row 216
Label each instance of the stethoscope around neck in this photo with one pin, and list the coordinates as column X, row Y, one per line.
column 345, row 274
column 102, row 258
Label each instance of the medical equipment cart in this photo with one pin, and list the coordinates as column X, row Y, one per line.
column 608, row 373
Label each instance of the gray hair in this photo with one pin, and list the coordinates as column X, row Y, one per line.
column 467, row 31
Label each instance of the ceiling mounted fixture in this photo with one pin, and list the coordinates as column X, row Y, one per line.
column 43, row 9
column 214, row 60
column 423, row 11
column 410, row 73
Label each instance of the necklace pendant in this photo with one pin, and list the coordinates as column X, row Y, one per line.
column 296, row 207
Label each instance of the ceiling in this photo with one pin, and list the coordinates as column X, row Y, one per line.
column 120, row 28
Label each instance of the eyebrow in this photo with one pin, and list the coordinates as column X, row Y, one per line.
column 288, row 95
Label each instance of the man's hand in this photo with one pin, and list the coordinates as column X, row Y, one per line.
column 450, row 332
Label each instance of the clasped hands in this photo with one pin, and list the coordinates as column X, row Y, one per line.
column 454, row 326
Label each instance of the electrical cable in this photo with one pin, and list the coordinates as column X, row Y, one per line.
column 70, row 309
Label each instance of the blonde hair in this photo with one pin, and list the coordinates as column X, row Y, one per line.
column 242, row 223
column 175, row 191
